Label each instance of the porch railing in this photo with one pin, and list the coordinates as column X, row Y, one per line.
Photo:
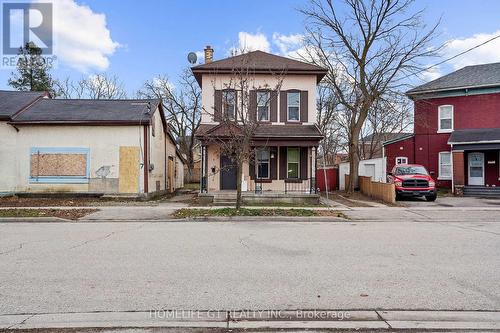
column 307, row 186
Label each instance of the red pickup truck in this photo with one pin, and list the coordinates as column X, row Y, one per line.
column 412, row 180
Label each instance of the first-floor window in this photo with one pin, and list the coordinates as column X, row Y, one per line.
column 59, row 165
column 401, row 160
column 263, row 163
column 293, row 161
column 445, row 165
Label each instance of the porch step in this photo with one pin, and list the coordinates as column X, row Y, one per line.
column 481, row 191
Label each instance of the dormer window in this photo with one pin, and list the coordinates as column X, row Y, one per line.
column 293, row 106
column 263, row 98
column 229, row 104
column 445, row 115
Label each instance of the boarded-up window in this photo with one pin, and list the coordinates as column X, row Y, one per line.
column 60, row 163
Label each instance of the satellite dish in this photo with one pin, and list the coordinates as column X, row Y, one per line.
column 192, row 58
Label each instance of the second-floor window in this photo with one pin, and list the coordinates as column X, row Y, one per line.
column 293, row 106
column 263, row 105
column 229, row 103
column 445, row 114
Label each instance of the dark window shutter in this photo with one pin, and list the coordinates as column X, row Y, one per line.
column 274, row 163
column 218, row 105
column 273, row 106
column 283, row 117
column 283, row 173
column 303, row 106
column 252, row 106
column 251, row 167
column 303, row 162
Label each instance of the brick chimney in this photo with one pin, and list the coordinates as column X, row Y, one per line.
column 209, row 54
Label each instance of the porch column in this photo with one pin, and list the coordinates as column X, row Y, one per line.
column 313, row 169
column 458, row 172
column 204, row 169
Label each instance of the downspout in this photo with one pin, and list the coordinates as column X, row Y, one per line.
column 165, row 162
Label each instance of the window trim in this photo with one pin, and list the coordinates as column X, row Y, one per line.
column 268, row 106
column 288, row 107
column 406, row 159
column 440, row 177
column 224, row 103
column 287, row 162
column 446, row 130
column 257, row 164
column 61, row 179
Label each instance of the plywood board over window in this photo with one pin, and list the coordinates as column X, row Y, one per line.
column 129, row 170
column 59, row 165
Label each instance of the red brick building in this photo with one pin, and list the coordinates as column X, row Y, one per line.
column 457, row 130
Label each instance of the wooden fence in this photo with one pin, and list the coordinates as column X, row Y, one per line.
column 381, row 191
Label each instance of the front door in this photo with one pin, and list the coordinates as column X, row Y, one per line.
column 476, row 169
column 227, row 174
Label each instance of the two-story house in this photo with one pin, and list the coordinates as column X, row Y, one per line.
column 457, row 130
column 286, row 136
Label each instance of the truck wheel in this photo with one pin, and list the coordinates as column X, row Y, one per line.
column 398, row 197
column 431, row 197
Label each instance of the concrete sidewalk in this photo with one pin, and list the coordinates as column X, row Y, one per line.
column 268, row 319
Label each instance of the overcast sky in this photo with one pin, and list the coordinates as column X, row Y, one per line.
column 139, row 40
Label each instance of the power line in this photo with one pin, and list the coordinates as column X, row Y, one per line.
column 456, row 55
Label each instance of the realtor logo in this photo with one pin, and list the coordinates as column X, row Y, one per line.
column 26, row 22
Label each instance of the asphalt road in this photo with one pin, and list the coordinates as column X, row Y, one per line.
column 81, row 267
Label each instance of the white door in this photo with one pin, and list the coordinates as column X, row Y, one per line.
column 476, row 169
column 370, row 171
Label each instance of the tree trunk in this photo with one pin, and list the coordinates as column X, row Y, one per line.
column 239, row 172
column 353, row 161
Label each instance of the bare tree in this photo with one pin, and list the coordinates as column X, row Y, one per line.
column 328, row 121
column 239, row 123
column 182, row 105
column 100, row 86
column 370, row 47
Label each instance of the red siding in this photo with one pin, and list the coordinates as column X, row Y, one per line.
column 473, row 111
column 403, row 148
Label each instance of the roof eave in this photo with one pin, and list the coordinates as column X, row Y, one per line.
column 413, row 92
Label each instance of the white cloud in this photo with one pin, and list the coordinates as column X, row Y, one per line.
column 431, row 74
column 288, row 43
column 487, row 53
column 248, row 42
column 81, row 37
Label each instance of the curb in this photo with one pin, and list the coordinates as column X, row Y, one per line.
column 272, row 319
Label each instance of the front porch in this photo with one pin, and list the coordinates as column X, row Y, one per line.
column 475, row 161
column 228, row 198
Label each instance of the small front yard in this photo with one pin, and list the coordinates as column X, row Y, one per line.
column 69, row 214
column 220, row 212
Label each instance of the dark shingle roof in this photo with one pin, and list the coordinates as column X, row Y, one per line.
column 487, row 75
column 67, row 111
column 259, row 62
column 474, row 135
column 274, row 131
column 13, row 101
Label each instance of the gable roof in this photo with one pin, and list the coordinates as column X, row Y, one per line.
column 87, row 111
column 477, row 76
column 14, row 101
column 258, row 62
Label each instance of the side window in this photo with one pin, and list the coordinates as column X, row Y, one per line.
column 293, row 162
column 401, row 160
column 293, row 106
column 445, row 165
column 445, row 114
column 229, row 103
column 263, row 98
